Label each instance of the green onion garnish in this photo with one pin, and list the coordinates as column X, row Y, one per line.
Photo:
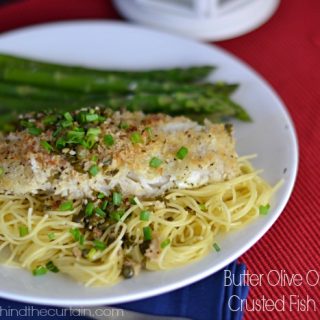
column 104, row 205
column 116, row 215
column 94, row 170
column 89, row 209
column 91, row 254
column 90, row 141
column 75, row 233
column 91, row 117
column 23, row 231
column 263, row 210
column 147, row 233
column 155, row 162
column 136, row 137
column 100, row 212
column 74, row 136
column 203, row 207
column 182, row 153
column 68, row 116
column 108, row 140
column 27, row 124
column 149, row 132
column 46, row 145
column 81, row 239
column 34, row 131
column 101, row 195
column 123, row 125
column 93, row 131
column 50, row 119
column 51, row 236
column 52, row 267
column 116, row 198
column 144, row 215
column 61, row 143
column 216, row 247
column 66, row 206
column 1, row 171
column 99, row 245
column 39, row 271
column 165, row 243
column 65, row 123
column 95, row 158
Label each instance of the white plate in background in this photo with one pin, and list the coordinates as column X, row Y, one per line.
column 118, row 45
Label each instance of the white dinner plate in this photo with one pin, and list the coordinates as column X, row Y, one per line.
column 118, row 45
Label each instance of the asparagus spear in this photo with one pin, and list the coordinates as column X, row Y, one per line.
column 90, row 84
column 188, row 74
column 177, row 103
column 35, row 92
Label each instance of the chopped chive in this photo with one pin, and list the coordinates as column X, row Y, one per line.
column 81, row 239
column 149, row 132
column 89, row 209
column 216, row 247
column 263, row 210
column 74, row 136
column 123, row 125
column 101, row 118
column 50, row 119
column 155, row 162
column 39, row 271
column 116, row 215
column 66, row 206
column 94, row 170
column 81, row 117
column 34, row 131
column 165, row 243
column 23, row 231
column 65, row 123
column 104, row 205
column 68, row 116
column 56, row 132
column 136, row 137
column 91, row 254
column 91, row 117
column 182, row 153
column 75, row 233
column 101, row 195
column 108, row 140
column 93, row 131
column 116, row 198
column 1, row 171
column 51, row 236
column 95, row 158
column 144, row 215
column 52, row 267
column 61, row 143
column 100, row 212
column 27, row 124
column 46, row 145
column 99, row 245
column 147, row 233
column 90, row 141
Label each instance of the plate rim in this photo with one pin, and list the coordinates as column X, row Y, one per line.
column 130, row 297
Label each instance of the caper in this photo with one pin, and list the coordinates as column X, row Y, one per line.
column 127, row 271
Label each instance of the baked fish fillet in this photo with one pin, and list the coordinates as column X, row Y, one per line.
column 133, row 153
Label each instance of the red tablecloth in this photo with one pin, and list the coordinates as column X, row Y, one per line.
column 286, row 51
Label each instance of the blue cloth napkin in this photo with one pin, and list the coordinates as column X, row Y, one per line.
column 215, row 297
